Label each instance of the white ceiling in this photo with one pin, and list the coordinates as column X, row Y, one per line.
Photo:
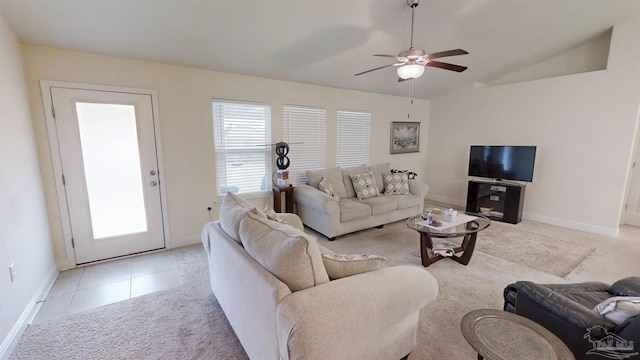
column 321, row 42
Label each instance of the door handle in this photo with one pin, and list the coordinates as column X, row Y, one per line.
column 152, row 172
column 153, row 183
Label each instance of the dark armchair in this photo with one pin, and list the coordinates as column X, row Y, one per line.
column 567, row 311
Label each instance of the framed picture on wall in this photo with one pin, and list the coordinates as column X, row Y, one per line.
column 405, row 137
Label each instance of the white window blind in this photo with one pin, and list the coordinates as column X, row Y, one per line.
column 241, row 131
column 353, row 138
column 305, row 131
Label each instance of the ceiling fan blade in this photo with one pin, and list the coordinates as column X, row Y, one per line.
column 452, row 67
column 378, row 68
column 386, row 55
column 446, row 53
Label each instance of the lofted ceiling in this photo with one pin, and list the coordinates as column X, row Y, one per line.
column 323, row 42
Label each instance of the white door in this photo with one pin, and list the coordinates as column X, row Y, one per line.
column 110, row 172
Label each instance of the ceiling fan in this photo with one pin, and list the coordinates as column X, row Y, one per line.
column 411, row 63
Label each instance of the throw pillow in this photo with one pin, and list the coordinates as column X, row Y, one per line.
column 365, row 185
column 326, row 186
column 286, row 252
column 396, row 183
column 333, row 175
column 339, row 265
column 619, row 308
column 346, row 179
column 378, row 172
column 232, row 211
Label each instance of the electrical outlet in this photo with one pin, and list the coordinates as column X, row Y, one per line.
column 12, row 272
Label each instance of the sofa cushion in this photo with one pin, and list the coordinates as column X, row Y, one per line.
column 351, row 210
column 619, row 308
column 365, row 185
column 333, row 175
column 380, row 204
column 326, row 186
column 288, row 253
column 339, row 265
column 377, row 171
column 396, row 183
column 232, row 211
column 346, row 178
column 406, row 201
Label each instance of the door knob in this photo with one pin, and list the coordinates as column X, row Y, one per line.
column 152, row 172
column 153, row 183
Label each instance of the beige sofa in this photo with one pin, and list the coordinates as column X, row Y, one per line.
column 271, row 282
column 332, row 218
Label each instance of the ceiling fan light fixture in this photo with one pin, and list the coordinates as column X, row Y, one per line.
column 410, row 71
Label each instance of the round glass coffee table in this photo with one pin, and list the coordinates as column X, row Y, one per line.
column 502, row 335
column 466, row 226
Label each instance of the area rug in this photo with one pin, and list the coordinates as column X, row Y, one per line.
column 187, row 322
column 505, row 241
column 537, row 251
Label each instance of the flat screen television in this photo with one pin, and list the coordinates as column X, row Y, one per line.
column 502, row 162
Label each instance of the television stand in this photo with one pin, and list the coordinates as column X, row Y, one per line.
column 498, row 200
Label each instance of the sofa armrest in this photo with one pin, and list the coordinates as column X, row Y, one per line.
column 419, row 188
column 292, row 219
column 311, row 197
column 373, row 315
column 541, row 301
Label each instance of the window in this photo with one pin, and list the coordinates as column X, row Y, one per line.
column 305, row 131
column 353, row 138
column 242, row 132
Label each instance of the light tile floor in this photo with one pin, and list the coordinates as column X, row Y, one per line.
column 101, row 284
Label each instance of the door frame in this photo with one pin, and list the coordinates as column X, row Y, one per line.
column 70, row 261
column 634, row 168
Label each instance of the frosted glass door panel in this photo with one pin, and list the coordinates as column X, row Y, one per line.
column 113, row 174
column 110, row 171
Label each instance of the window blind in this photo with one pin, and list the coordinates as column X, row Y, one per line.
column 242, row 132
column 353, row 138
column 305, row 131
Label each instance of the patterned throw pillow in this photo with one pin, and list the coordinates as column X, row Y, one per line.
column 365, row 185
column 339, row 265
column 326, row 186
column 396, row 183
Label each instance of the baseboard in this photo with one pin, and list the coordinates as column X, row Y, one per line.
column 594, row 229
column 30, row 311
column 185, row 241
column 441, row 200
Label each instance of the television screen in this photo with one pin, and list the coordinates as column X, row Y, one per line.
column 502, row 162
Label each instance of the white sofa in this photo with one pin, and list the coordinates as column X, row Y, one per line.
column 332, row 218
column 293, row 310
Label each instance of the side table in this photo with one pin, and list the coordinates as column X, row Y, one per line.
column 288, row 198
column 501, row 335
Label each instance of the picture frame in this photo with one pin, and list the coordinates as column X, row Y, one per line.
column 405, row 137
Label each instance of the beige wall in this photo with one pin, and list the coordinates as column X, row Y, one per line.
column 24, row 230
column 583, row 125
column 184, row 102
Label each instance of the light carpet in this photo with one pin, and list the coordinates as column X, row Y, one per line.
column 187, row 322
column 505, row 241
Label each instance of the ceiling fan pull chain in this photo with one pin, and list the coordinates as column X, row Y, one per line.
column 411, row 102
